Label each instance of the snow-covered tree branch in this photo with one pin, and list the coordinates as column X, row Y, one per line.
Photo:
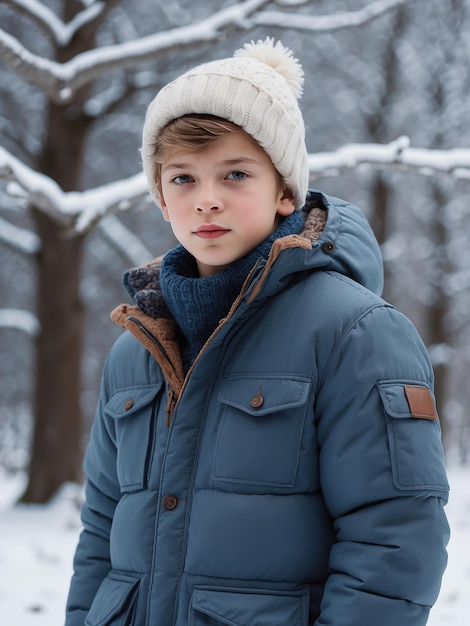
column 327, row 23
column 48, row 20
column 397, row 154
column 20, row 239
column 60, row 81
column 81, row 210
column 128, row 245
column 17, row 319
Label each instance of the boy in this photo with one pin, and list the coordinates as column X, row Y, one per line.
column 266, row 448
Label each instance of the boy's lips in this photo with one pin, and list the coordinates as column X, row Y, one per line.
column 210, row 231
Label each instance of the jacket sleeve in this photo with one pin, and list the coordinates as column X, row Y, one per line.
column 382, row 475
column 92, row 560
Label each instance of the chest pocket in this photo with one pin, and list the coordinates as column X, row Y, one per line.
column 260, row 433
column 133, row 411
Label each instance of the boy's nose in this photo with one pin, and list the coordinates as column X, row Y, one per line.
column 208, row 199
column 202, row 209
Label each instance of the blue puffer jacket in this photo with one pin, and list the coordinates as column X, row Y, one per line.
column 294, row 477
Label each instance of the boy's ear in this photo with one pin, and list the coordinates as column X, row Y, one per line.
column 286, row 203
column 163, row 207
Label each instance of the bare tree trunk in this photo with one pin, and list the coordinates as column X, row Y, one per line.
column 57, row 444
column 57, row 447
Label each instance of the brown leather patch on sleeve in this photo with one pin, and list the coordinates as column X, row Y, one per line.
column 421, row 402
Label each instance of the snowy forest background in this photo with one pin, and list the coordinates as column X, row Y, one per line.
column 386, row 105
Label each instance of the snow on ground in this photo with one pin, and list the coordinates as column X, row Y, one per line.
column 36, row 551
column 37, row 545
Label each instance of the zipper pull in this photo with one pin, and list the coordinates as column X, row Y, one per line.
column 170, row 405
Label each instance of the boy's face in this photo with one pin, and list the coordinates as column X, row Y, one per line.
column 222, row 201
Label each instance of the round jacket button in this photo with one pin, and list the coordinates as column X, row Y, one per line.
column 257, row 401
column 329, row 247
column 129, row 404
column 170, row 502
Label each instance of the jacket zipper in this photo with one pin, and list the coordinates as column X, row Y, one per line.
column 151, row 336
column 171, row 400
column 151, row 448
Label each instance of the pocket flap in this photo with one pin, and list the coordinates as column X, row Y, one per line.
column 128, row 401
column 261, row 396
column 114, row 601
column 256, row 608
column 407, row 400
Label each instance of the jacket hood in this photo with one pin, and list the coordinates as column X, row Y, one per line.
column 337, row 237
column 347, row 244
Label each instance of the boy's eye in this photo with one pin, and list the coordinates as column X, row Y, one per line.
column 237, row 175
column 182, row 179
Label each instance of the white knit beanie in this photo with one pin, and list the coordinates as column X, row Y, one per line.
column 256, row 89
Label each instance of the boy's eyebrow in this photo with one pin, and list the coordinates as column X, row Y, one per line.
column 176, row 166
column 241, row 159
column 226, row 163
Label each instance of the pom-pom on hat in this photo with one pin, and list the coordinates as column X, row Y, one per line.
column 257, row 89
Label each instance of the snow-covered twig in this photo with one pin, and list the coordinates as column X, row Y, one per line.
column 46, row 18
column 25, row 241
column 37, row 189
column 327, row 23
column 122, row 195
column 397, row 154
column 291, row 3
column 35, row 69
column 19, row 319
column 128, row 245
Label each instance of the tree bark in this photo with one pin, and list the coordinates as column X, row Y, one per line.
column 57, row 442
column 57, row 446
